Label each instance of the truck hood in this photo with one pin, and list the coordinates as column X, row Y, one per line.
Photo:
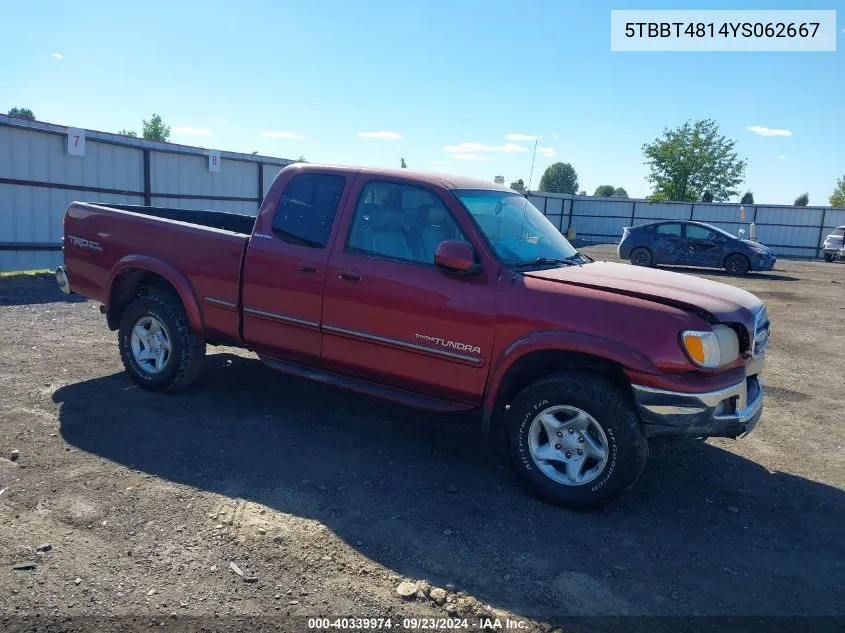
column 721, row 302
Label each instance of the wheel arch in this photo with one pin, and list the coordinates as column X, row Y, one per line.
column 555, row 352
column 136, row 272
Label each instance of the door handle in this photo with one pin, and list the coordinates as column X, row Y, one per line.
column 305, row 267
column 350, row 275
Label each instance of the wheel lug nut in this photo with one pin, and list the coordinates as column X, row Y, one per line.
column 581, row 438
column 557, row 447
column 571, row 431
column 580, row 452
column 559, row 434
column 568, row 454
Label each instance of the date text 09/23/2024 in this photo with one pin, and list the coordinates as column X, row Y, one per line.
column 416, row 624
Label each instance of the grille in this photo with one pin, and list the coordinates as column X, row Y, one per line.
column 761, row 333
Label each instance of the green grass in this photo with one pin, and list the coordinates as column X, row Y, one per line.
column 25, row 273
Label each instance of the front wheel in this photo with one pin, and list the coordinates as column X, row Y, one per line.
column 575, row 440
column 157, row 346
column 828, row 257
column 737, row 264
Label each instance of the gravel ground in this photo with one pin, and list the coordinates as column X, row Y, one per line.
column 326, row 501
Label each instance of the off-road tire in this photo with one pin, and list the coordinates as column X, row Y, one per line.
column 187, row 349
column 614, row 412
column 828, row 257
column 641, row 256
column 737, row 264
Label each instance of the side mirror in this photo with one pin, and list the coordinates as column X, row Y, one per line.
column 456, row 257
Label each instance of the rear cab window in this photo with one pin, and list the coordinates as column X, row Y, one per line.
column 307, row 209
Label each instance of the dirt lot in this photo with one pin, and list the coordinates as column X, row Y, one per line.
column 327, row 500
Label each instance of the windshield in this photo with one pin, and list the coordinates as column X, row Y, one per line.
column 518, row 232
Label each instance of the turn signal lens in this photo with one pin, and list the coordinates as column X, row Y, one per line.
column 711, row 349
column 702, row 348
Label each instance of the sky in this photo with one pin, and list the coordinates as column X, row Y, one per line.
column 460, row 86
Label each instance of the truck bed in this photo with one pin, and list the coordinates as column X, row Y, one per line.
column 202, row 250
column 235, row 222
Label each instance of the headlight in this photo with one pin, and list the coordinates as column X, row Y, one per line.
column 711, row 349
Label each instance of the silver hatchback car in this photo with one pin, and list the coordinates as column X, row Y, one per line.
column 834, row 245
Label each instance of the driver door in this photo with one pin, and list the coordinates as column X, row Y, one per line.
column 704, row 247
column 390, row 314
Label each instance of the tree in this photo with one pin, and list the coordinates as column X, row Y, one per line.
column 707, row 197
column 837, row 198
column 582, row 193
column 559, row 178
column 803, row 200
column 691, row 159
column 22, row 113
column 604, row 191
column 747, row 198
column 126, row 132
column 301, row 159
column 403, row 164
column 155, row 129
column 518, row 185
column 620, row 192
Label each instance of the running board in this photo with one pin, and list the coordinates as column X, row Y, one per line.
column 365, row 387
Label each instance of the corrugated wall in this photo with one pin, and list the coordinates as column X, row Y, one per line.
column 39, row 178
column 790, row 231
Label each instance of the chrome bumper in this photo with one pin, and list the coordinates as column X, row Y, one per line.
column 62, row 280
column 730, row 412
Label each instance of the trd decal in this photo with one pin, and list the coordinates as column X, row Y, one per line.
column 81, row 242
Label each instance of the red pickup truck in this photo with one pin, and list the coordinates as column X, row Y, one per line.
column 440, row 292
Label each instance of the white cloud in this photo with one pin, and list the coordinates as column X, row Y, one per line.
column 767, row 131
column 782, row 157
column 219, row 121
column 191, row 131
column 57, row 56
column 520, row 137
column 481, row 147
column 548, row 152
column 288, row 135
column 555, row 136
column 386, row 134
column 440, row 162
column 472, row 156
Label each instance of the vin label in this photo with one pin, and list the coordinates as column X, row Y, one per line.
column 746, row 30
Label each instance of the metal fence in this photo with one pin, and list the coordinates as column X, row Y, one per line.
column 790, row 231
column 44, row 167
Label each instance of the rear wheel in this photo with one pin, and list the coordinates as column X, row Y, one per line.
column 641, row 256
column 157, row 346
column 737, row 264
column 575, row 440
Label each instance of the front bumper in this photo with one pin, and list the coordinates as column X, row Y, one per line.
column 730, row 412
column 763, row 262
column 836, row 253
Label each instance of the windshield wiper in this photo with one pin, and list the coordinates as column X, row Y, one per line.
column 546, row 261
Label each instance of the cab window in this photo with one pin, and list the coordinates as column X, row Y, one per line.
column 401, row 222
column 307, row 209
